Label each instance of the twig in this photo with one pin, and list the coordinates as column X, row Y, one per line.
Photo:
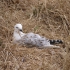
column 65, row 23
column 6, row 56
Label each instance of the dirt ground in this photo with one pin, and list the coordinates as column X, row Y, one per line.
column 45, row 17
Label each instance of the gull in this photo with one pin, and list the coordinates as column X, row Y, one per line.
column 32, row 39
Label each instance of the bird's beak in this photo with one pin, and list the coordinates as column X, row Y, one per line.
column 20, row 30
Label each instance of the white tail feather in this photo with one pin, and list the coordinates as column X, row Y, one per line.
column 50, row 46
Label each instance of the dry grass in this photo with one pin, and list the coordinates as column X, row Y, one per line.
column 45, row 17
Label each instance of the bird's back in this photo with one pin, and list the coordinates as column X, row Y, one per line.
column 35, row 39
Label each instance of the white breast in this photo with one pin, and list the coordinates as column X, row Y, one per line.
column 17, row 36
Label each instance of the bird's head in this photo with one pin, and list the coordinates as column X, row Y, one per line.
column 18, row 27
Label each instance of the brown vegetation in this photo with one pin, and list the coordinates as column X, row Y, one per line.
column 50, row 18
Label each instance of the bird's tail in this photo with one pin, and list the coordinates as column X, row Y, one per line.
column 56, row 42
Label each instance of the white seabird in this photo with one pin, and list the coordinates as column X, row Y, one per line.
column 32, row 39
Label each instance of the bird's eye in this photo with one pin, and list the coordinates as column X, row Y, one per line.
column 16, row 27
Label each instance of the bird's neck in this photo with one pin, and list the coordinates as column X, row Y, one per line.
column 17, row 35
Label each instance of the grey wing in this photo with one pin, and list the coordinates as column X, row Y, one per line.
column 35, row 39
column 44, row 41
column 29, row 39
